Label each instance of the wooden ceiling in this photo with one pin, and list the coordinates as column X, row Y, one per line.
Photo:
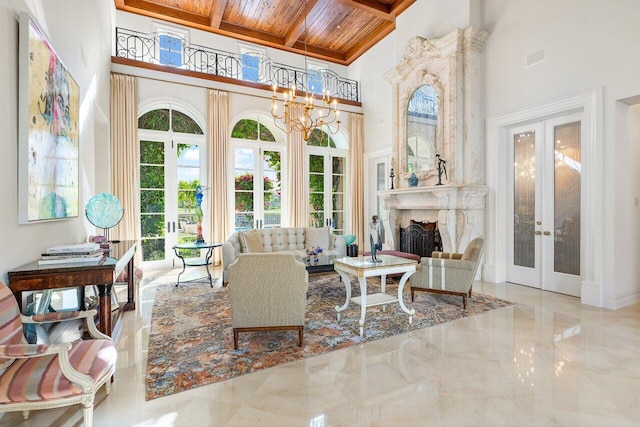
column 338, row 31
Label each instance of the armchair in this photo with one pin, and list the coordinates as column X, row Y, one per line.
column 449, row 273
column 268, row 291
column 39, row 376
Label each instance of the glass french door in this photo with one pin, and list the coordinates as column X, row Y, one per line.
column 544, row 247
column 170, row 171
column 258, row 187
column 327, row 186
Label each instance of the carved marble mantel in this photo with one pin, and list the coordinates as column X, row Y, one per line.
column 460, row 211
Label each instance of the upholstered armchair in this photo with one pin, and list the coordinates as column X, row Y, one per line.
column 268, row 291
column 39, row 376
column 449, row 273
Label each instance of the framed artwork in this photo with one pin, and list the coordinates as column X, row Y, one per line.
column 49, row 108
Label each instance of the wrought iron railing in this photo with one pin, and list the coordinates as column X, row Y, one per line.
column 145, row 47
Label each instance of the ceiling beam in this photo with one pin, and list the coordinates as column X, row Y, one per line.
column 298, row 27
column 217, row 10
column 400, row 6
column 373, row 7
column 155, row 10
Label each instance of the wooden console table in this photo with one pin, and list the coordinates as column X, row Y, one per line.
column 34, row 277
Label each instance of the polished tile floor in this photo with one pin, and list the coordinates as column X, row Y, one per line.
column 548, row 360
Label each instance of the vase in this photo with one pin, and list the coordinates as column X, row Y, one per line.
column 199, row 237
column 413, row 180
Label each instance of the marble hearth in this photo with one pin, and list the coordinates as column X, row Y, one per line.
column 459, row 210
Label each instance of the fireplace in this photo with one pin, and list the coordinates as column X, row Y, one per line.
column 458, row 210
column 420, row 238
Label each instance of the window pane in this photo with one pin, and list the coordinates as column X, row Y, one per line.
column 567, row 198
column 338, row 165
column 152, row 225
column 151, row 201
column 155, row 120
column 314, row 81
column 524, row 170
column 151, row 176
column 250, row 68
column 338, row 184
column 153, row 250
column 316, row 164
column 317, row 138
column 266, row 135
column 245, row 129
column 152, row 152
column 380, row 176
column 184, row 124
column 170, row 50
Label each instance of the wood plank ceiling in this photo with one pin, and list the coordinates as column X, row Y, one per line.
column 337, row 31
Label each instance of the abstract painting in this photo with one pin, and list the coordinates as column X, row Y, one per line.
column 49, row 136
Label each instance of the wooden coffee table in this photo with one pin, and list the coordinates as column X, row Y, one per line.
column 363, row 267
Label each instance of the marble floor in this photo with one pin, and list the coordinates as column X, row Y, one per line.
column 548, row 360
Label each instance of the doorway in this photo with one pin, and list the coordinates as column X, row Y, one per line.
column 544, row 238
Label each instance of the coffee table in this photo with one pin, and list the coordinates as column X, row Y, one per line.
column 363, row 267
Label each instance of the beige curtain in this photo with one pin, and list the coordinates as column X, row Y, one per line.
column 125, row 179
column 356, row 156
column 217, row 201
column 296, row 206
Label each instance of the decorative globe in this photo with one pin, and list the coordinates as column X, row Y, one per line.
column 104, row 210
column 349, row 238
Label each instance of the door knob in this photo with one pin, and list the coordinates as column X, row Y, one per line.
column 546, row 233
column 537, row 232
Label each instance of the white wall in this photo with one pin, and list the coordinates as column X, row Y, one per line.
column 80, row 32
column 587, row 44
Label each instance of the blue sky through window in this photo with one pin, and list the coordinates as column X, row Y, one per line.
column 314, row 81
column 170, row 50
column 250, row 68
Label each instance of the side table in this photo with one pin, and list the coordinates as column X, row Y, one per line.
column 197, row 262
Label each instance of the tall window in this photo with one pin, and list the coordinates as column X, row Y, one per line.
column 170, row 169
column 258, row 174
column 327, row 165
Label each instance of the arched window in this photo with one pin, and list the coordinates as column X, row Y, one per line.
column 327, row 166
column 258, row 154
column 171, row 144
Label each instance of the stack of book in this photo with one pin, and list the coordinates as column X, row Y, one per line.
column 80, row 253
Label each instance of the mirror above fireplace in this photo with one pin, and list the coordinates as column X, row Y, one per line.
column 422, row 130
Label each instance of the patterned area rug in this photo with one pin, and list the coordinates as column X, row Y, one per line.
column 191, row 340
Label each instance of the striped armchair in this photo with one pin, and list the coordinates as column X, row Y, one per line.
column 449, row 273
column 39, row 376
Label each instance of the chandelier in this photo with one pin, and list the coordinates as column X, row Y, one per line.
column 313, row 116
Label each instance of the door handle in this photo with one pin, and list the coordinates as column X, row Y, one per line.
column 174, row 226
column 168, row 226
column 537, row 232
column 546, row 233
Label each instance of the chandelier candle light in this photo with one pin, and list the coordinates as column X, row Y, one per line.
column 313, row 116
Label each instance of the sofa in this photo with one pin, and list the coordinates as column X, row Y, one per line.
column 294, row 240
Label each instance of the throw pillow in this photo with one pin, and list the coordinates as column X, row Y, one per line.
column 252, row 241
column 316, row 237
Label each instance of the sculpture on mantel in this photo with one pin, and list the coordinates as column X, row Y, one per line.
column 441, row 168
column 392, row 175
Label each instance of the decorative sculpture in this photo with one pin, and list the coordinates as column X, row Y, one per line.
column 374, row 238
column 392, row 175
column 441, row 168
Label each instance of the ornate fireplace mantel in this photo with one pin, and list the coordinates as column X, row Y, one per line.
column 460, row 210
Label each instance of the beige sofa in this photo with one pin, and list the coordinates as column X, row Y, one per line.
column 294, row 240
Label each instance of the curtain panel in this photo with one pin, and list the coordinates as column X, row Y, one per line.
column 356, row 156
column 296, row 207
column 217, row 199
column 125, row 155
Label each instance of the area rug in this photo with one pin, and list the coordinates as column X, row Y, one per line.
column 191, row 340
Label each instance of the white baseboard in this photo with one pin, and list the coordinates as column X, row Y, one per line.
column 590, row 294
column 622, row 299
column 489, row 273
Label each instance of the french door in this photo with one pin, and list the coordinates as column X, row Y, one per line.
column 170, row 171
column 258, row 187
column 327, row 187
column 544, row 243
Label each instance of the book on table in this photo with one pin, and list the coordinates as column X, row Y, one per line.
column 77, row 248
column 70, row 260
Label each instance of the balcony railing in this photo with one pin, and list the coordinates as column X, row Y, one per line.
column 145, row 47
